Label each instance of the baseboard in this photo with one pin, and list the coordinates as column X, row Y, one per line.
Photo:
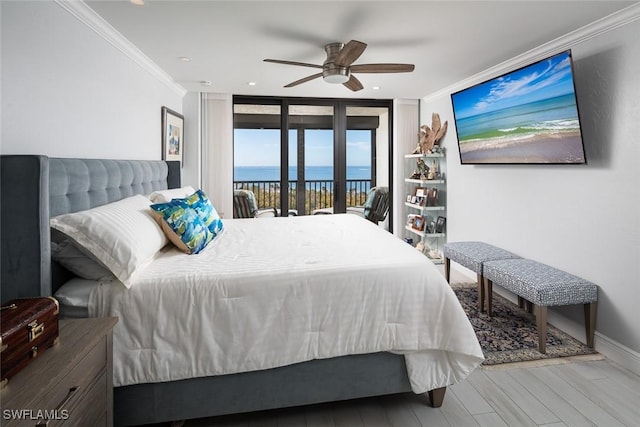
column 619, row 353
column 606, row 346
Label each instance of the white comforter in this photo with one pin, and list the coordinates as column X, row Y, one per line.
column 276, row 291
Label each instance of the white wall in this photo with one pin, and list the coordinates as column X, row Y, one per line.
column 584, row 219
column 67, row 92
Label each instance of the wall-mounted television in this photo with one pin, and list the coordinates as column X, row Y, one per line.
column 529, row 115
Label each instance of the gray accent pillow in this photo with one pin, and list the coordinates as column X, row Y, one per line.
column 77, row 261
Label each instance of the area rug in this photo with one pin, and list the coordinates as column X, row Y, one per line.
column 510, row 335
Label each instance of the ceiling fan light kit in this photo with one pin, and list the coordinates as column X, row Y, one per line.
column 336, row 76
column 337, row 67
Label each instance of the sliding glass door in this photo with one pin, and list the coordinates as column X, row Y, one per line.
column 257, row 163
column 311, row 156
column 367, row 151
column 311, row 160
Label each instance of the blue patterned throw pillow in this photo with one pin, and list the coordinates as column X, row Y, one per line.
column 183, row 225
column 208, row 214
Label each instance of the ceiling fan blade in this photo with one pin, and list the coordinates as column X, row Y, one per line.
column 349, row 53
column 302, row 64
column 306, row 79
column 353, row 83
column 382, row 68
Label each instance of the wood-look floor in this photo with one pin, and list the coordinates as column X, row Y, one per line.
column 590, row 393
column 582, row 393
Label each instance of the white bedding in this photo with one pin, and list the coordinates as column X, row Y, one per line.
column 276, row 291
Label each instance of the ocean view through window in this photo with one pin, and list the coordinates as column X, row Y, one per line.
column 257, row 168
column 272, row 173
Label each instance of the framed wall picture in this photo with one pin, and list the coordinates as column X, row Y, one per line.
column 172, row 135
column 440, row 224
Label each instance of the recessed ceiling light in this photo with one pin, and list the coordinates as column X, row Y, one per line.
column 184, row 59
column 251, row 83
column 376, row 88
column 137, row 2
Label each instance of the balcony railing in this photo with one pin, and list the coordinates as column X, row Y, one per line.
column 315, row 194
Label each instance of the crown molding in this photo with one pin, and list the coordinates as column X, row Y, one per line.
column 95, row 22
column 562, row 43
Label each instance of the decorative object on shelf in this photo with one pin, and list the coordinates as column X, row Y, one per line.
column 422, row 171
column 428, row 251
column 432, row 254
column 440, row 224
column 418, row 223
column 172, row 135
column 432, row 197
column 433, row 171
column 421, row 196
column 430, row 136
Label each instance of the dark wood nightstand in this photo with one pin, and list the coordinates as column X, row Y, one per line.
column 71, row 383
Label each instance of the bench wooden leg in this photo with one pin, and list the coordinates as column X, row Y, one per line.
column 590, row 322
column 436, row 396
column 488, row 291
column 541, row 324
column 525, row 305
column 447, row 269
column 481, row 293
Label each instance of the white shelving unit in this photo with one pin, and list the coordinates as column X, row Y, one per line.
column 429, row 209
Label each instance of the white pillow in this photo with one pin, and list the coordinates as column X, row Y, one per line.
column 165, row 196
column 122, row 235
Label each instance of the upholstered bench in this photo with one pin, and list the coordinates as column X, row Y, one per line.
column 543, row 286
column 473, row 255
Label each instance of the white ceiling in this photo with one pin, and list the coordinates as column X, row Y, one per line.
column 447, row 40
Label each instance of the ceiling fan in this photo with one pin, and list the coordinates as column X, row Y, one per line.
column 337, row 67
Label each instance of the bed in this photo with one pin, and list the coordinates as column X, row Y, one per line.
column 324, row 360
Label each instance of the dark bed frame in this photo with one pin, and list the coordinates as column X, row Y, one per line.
column 35, row 188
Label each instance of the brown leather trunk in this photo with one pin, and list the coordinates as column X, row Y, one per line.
column 28, row 327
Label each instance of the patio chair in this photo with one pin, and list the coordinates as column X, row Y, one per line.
column 245, row 206
column 375, row 208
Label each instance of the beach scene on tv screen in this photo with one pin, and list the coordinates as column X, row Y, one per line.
column 526, row 116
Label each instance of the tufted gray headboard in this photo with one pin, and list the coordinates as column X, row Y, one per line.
column 35, row 188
